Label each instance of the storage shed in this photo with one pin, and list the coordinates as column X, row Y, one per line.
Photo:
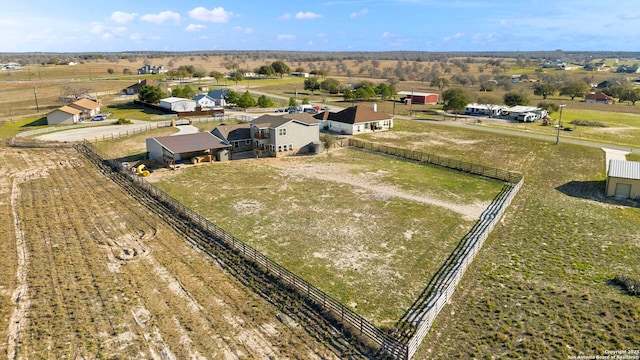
column 623, row 179
column 178, row 104
column 189, row 147
column 418, row 97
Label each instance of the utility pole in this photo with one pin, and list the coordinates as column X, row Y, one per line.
column 559, row 124
column 35, row 93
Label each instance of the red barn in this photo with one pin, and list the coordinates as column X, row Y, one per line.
column 419, row 97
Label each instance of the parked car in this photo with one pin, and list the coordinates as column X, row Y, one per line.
column 325, row 108
column 279, row 110
column 99, row 117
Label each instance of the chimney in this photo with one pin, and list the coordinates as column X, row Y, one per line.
column 374, row 107
column 139, row 81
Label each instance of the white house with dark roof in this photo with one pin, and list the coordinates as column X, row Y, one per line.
column 285, row 134
column 623, row 179
column 204, row 101
column 357, row 119
column 182, row 148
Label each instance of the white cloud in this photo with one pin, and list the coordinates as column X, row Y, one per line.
column 285, row 16
column 388, row 35
column 215, row 15
column 105, row 31
column 122, row 17
column 9, row 22
column 307, row 15
column 505, row 24
column 194, row 27
column 359, row 13
column 161, row 17
column 286, row 37
column 243, row 30
column 453, row 37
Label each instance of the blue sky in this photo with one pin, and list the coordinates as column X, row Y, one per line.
column 333, row 25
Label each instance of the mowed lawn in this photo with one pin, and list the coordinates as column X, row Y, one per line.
column 542, row 286
column 342, row 221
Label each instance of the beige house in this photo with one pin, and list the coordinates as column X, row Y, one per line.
column 623, row 179
column 288, row 134
column 88, row 107
column 64, row 115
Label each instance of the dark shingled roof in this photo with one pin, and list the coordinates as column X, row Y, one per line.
column 354, row 114
column 234, row 132
column 274, row 121
column 178, row 144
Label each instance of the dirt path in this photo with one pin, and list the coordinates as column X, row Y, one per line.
column 338, row 173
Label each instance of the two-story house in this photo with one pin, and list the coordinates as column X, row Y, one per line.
column 285, row 134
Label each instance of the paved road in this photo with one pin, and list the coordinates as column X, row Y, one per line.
column 551, row 139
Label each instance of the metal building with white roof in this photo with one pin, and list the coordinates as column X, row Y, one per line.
column 623, row 179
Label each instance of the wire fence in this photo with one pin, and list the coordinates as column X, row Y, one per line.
column 423, row 313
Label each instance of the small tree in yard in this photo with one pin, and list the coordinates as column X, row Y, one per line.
column 264, row 101
column 292, row 101
column 326, row 140
column 246, row 100
column 549, row 106
column 577, row 88
column 491, row 102
column 456, row 100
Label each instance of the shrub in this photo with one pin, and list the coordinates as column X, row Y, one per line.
column 587, row 123
column 630, row 285
column 123, row 121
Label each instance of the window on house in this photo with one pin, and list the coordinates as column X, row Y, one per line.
column 290, row 147
column 282, row 132
column 247, row 142
column 279, row 148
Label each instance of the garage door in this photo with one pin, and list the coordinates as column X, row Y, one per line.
column 623, row 190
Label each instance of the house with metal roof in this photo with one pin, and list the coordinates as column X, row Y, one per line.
column 357, row 119
column 287, row 134
column 192, row 148
column 623, row 179
column 178, row 104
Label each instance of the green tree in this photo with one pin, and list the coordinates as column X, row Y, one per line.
column 216, row 75
column 331, row 86
column 549, row 106
column 110, row 71
column 266, row 70
column 150, row 94
column 232, row 97
column 365, row 92
column 189, row 69
column 544, row 90
column 311, row 84
column 326, row 140
column 632, row 95
column 385, row 91
column 292, row 101
column 348, row 95
column 126, row 71
column 264, row 101
column 305, row 101
column 456, row 100
column 513, row 98
column 186, row 92
column 280, row 68
column 246, row 100
column 237, row 76
column 576, row 88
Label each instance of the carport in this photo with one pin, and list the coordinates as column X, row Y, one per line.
column 194, row 148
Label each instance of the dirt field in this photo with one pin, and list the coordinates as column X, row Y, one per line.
column 88, row 273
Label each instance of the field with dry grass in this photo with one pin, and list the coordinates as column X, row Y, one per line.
column 89, row 273
column 542, row 286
